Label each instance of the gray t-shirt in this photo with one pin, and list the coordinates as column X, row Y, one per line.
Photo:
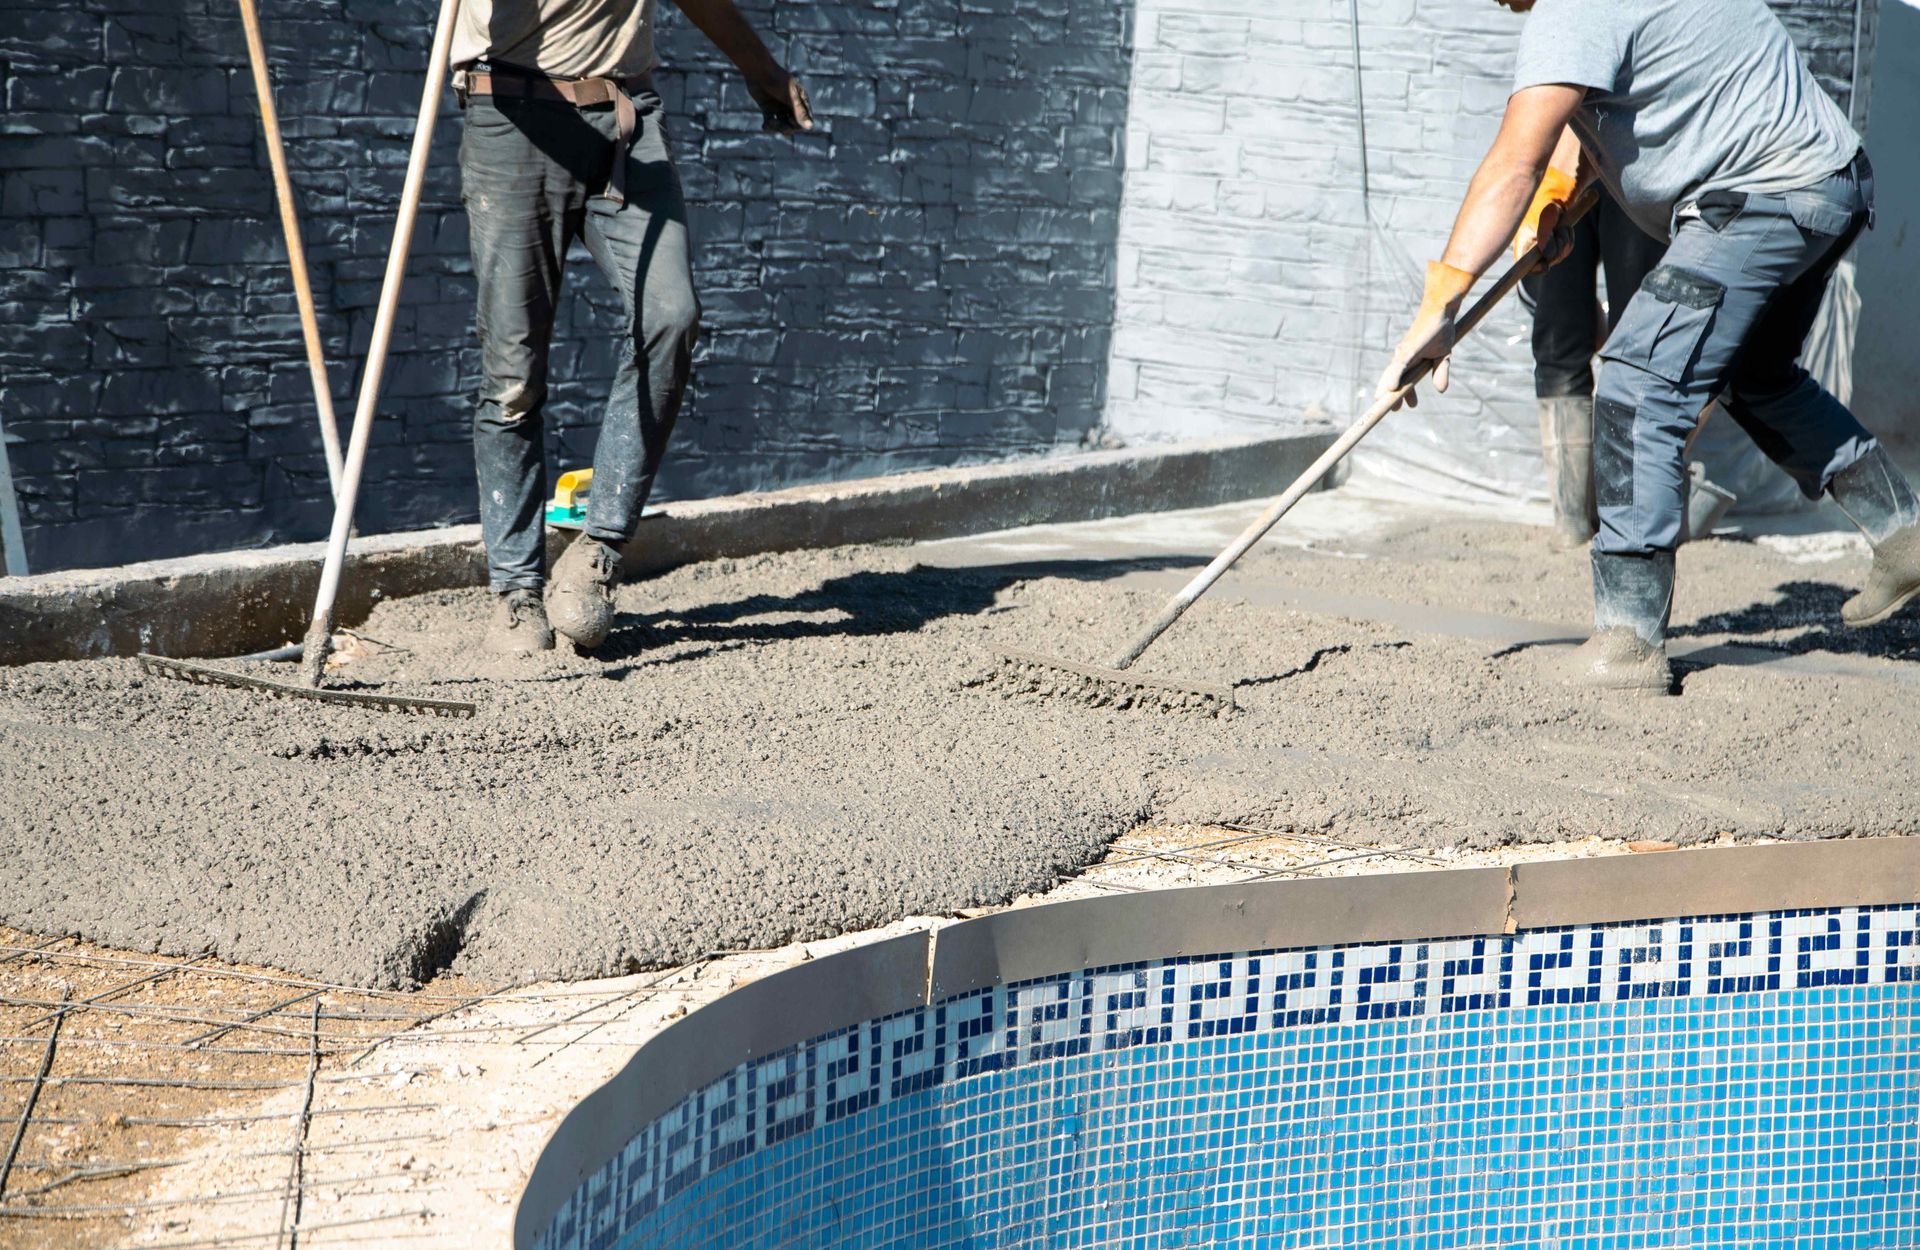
column 564, row 38
column 1686, row 97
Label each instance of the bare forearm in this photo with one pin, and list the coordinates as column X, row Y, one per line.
column 1533, row 132
column 1497, row 199
column 728, row 29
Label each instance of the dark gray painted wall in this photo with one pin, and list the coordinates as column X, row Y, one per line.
column 928, row 282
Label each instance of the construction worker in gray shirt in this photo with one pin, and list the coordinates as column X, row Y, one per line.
column 1701, row 119
column 564, row 141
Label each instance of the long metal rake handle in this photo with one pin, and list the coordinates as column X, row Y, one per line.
column 1177, row 606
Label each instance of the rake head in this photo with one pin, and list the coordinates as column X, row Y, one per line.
column 1025, row 672
column 207, row 675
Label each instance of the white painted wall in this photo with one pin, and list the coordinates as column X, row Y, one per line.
column 1250, row 296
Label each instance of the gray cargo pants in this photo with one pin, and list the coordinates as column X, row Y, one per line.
column 533, row 175
column 1727, row 310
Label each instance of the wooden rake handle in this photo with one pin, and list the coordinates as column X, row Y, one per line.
column 319, row 632
column 1177, row 606
column 296, row 253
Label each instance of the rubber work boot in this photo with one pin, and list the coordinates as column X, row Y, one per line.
column 1632, row 598
column 580, row 595
column 1566, row 445
column 1875, row 496
column 519, row 625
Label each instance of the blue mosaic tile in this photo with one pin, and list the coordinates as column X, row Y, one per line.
column 1728, row 1081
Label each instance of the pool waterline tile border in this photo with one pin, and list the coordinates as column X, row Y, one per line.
column 929, row 970
column 1100, row 1013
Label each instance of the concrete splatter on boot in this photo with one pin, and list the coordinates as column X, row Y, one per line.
column 1876, row 497
column 580, row 595
column 519, row 625
column 1632, row 598
column 1566, row 447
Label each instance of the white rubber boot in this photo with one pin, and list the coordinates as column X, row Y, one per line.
column 1876, row 497
column 1566, row 447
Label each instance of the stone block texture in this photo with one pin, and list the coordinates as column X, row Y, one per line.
column 1266, row 261
column 926, row 281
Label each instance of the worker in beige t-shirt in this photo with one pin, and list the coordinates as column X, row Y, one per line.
column 567, row 38
column 563, row 142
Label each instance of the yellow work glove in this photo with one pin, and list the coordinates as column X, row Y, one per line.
column 1555, row 193
column 1431, row 337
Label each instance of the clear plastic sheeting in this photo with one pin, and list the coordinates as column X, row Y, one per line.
column 1479, row 442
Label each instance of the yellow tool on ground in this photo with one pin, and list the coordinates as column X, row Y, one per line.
column 568, row 508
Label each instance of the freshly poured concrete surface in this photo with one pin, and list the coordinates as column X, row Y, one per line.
column 786, row 747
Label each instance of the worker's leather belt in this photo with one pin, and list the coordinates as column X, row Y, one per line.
column 579, row 92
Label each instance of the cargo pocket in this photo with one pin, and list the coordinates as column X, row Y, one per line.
column 1665, row 323
column 1816, row 214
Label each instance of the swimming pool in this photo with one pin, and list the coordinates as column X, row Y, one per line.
column 1450, row 1060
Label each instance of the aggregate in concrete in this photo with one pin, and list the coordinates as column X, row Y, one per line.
column 783, row 747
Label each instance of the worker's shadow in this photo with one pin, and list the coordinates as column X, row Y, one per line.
column 857, row 605
column 1813, row 609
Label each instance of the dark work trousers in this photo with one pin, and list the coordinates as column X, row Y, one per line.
column 533, row 175
column 1566, row 316
column 1729, row 308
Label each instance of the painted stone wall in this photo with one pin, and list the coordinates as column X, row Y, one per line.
column 928, row 281
column 1253, row 295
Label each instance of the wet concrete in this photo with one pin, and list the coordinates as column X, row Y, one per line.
column 784, row 747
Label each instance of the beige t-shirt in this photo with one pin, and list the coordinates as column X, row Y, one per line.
column 564, row 38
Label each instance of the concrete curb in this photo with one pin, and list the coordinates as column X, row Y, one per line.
column 232, row 603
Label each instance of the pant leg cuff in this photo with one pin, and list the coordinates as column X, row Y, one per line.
column 1848, row 454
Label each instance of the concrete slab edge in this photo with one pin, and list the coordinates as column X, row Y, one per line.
column 232, row 603
column 1266, row 915
column 915, row 970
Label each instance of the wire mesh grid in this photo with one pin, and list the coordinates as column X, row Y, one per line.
column 117, row 1068
column 114, row 1068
